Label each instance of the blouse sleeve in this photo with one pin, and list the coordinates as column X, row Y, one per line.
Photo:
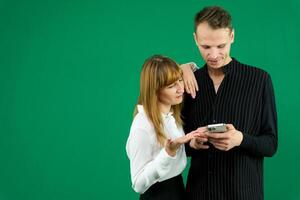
column 146, row 170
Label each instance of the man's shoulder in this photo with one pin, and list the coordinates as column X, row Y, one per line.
column 200, row 72
column 246, row 70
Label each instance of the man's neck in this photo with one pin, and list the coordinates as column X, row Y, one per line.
column 218, row 73
column 215, row 72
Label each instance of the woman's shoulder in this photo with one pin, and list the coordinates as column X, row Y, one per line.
column 141, row 121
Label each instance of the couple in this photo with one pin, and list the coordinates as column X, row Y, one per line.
column 223, row 166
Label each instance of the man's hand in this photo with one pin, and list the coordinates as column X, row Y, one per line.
column 227, row 140
column 198, row 142
column 190, row 83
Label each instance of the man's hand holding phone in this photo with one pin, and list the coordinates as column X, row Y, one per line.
column 224, row 136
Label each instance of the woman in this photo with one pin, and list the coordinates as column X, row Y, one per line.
column 154, row 146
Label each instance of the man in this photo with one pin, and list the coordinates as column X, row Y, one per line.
column 229, row 166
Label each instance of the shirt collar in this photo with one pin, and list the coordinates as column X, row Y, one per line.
column 228, row 68
column 141, row 109
column 167, row 115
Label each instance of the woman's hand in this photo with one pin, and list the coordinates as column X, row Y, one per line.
column 173, row 145
column 199, row 141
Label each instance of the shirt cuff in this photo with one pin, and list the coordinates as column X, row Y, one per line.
column 247, row 141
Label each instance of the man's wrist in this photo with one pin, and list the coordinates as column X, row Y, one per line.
column 193, row 66
column 241, row 136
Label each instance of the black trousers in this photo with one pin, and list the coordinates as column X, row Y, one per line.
column 172, row 189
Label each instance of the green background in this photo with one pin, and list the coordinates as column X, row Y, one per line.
column 69, row 75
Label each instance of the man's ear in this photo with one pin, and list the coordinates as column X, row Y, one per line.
column 195, row 38
column 232, row 36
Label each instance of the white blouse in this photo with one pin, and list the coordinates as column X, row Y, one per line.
column 149, row 162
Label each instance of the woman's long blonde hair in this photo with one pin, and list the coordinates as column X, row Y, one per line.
column 158, row 72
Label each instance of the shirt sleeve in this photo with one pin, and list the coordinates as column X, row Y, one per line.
column 265, row 143
column 145, row 171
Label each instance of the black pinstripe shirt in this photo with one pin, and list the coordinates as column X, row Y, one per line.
column 245, row 99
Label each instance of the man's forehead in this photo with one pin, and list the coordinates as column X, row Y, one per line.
column 205, row 29
column 213, row 40
column 208, row 36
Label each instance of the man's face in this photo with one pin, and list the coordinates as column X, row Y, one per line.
column 214, row 44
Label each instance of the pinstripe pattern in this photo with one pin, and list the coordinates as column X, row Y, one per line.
column 245, row 99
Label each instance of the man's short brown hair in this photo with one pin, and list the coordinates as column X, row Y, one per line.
column 215, row 16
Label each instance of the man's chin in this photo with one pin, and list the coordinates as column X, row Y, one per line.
column 215, row 65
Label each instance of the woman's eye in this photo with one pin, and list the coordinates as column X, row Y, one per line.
column 172, row 85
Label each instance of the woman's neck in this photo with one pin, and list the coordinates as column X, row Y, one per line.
column 164, row 108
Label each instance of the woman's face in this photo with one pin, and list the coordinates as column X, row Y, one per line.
column 172, row 94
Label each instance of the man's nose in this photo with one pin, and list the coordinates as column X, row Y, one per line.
column 214, row 53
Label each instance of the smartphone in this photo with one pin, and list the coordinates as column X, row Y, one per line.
column 217, row 128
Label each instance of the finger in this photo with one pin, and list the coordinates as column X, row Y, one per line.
column 191, row 136
column 195, row 84
column 218, row 142
column 184, row 139
column 192, row 89
column 218, row 147
column 223, row 148
column 201, row 139
column 230, row 127
column 218, row 135
column 186, row 87
column 198, row 146
column 193, row 144
column 198, row 133
column 204, row 146
column 200, row 136
column 201, row 129
column 201, row 145
column 194, row 135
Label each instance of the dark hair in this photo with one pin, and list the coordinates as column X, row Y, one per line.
column 215, row 16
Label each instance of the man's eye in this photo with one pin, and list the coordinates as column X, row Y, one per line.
column 221, row 46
